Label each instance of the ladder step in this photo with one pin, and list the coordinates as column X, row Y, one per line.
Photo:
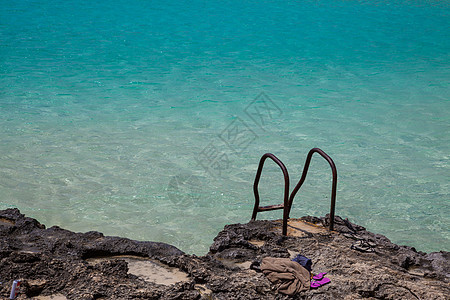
column 271, row 207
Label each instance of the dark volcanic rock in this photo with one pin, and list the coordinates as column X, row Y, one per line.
column 56, row 261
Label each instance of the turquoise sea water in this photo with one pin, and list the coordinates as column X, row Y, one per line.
column 138, row 118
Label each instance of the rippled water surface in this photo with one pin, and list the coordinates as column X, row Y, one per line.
column 147, row 119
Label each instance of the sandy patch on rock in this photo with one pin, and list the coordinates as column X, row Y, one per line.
column 148, row 269
column 51, row 297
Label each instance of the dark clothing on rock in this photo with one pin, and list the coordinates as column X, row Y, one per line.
column 288, row 276
column 304, row 261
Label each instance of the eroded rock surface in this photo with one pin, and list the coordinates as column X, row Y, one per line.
column 55, row 263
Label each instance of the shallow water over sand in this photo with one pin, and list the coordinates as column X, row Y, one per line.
column 148, row 120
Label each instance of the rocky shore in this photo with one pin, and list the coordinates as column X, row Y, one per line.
column 53, row 263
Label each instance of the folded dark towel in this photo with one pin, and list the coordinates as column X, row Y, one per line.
column 304, row 261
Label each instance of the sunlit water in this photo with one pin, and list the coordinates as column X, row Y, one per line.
column 139, row 118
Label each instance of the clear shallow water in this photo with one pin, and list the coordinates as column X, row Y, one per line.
column 113, row 112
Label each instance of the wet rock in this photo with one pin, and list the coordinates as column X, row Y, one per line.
column 54, row 261
column 439, row 262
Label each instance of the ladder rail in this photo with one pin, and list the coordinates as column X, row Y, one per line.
column 302, row 180
column 285, row 204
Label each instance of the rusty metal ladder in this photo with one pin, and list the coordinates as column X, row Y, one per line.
column 287, row 203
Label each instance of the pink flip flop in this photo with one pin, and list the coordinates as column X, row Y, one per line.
column 319, row 276
column 319, row 283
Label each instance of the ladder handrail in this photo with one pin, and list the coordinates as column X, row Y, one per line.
column 286, row 207
column 302, row 179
